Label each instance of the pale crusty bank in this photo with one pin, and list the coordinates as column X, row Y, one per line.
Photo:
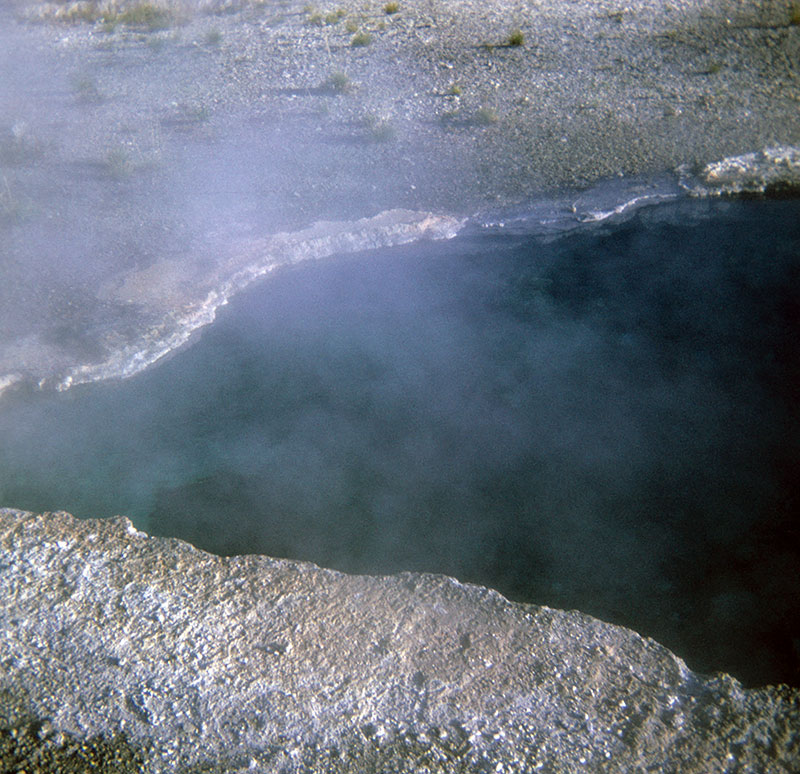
column 124, row 652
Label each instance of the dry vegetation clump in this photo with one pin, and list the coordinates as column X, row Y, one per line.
column 317, row 18
column 378, row 128
column 361, row 39
column 337, row 83
column 151, row 14
column 516, row 38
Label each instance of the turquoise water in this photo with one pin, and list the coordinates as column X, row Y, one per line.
column 605, row 419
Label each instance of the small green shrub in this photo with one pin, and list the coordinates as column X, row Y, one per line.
column 516, row 38
column 485, row 116
column 152, row 14
column 335, row 16
column 794, row 17
column 78, row 12
column 390, row 8
column 338, row 83
column 454, row 91
column 317, row 19
column 361, row 39
column 461, row 118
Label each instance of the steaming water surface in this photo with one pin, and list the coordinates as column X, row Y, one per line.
column 605, row 420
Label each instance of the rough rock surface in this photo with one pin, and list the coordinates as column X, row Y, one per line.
column 123, row 652
column 774, row 170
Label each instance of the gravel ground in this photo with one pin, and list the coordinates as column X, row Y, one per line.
column 436, row 109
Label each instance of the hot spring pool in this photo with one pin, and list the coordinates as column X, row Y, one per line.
column 605, row 419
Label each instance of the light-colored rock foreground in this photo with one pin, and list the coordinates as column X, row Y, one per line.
column 185, row 661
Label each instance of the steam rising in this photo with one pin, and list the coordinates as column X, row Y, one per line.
column 597, row 421
column 584, row 404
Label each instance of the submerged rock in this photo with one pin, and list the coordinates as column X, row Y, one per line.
column 141, row 653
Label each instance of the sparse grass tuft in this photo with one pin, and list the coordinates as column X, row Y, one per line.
column 516, row 38
column 318, row 19
column 361, row 39
column 338, row 83
column 150, row 14
column 335, row 16
column 485, row 116
column 86, row 89
column 794, row 17
column 213, row 37
column 454, row 91
column 382, row 131
column 390, row 8
column 118, row 164
column 378, row 129
column 70, row 13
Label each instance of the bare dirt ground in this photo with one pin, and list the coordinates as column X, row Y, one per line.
column 423, row 103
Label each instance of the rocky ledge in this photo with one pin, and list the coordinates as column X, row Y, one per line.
column 124, row 652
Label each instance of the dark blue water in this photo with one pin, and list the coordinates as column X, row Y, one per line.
column 606, row 421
